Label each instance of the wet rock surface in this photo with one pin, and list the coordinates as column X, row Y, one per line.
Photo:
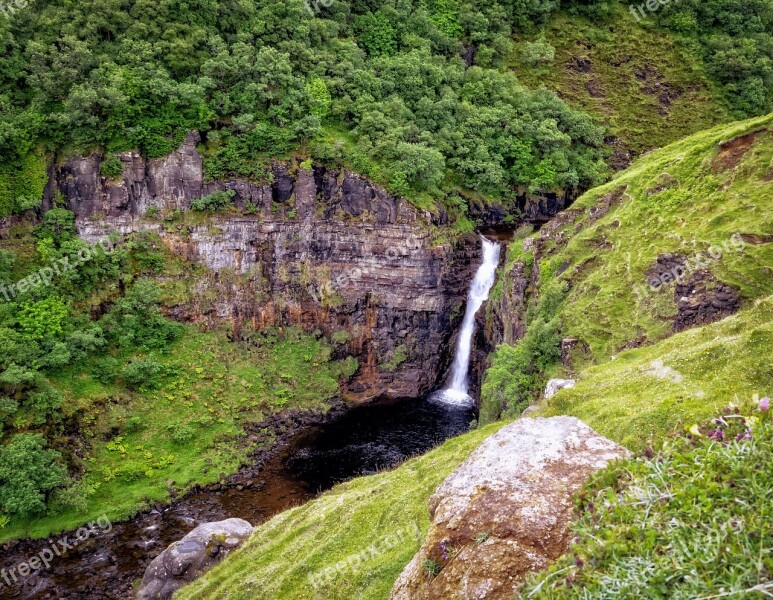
column 197, row 552
column 505, row 511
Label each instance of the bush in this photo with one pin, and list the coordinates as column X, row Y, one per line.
column 134, row 424
column 538, row 53
column 181, row 434
column 111, row 167
column 28, row 472
column 136, row 320
column 144, row 373
column 105, row 370
column 214, row 201
column 8, row 408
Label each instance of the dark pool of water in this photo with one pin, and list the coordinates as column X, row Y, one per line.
column 369, row 439
column 364, row 441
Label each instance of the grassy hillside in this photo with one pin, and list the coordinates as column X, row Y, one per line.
column 122, row 399
column 646, row 85
column 705, row 200
column 682, row 200
column 644, row 394
column 352, row 542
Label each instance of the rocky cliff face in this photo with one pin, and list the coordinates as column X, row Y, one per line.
column 315, row 248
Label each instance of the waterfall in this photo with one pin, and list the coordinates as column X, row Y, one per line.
column 481, row 285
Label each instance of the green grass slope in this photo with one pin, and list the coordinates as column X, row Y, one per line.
column 706, row 197
column 352, row 542
column 648, row 87
column 683, row 200
column 645, row 393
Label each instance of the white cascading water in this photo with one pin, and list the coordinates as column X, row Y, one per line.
column 481, row 285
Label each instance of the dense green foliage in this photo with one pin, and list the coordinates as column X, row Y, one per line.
column 384, row 88
column 414, row 94
column 692, row 521
column 103, row 397
column 517, row 371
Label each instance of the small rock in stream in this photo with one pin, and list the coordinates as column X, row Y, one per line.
column 184, row 560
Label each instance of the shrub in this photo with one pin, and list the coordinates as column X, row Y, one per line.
column 105, row 370
column 214, row 201
column 539, row 52
column 144, row 373
column 340, row 337
column 136, row 320
column 181, row 434
column 28, row 472
column 111, row 167
column 134, row 424
column 8, row 408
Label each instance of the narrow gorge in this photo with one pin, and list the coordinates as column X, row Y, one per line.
column 316, row 249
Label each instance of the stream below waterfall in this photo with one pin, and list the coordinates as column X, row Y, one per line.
column 362, row 441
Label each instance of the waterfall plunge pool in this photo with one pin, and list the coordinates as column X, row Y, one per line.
column 363, row 441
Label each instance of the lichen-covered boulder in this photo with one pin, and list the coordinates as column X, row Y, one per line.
column 505, row 511
column 556, row 385
column 184, row 560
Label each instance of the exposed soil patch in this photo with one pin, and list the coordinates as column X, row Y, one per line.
column 732, row 152
column 605, row 204
column 655, row 84
column 665, row 263
column 581, row 65
column 621, row 157
column 594, row 89
column 755, row 239
column 704, row 299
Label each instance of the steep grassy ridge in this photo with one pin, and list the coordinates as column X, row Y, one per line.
column 704, row 202
column 681, row 200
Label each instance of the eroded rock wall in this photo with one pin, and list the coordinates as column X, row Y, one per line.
column 317, row 248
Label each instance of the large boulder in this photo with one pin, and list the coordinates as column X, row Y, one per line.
column 186, row 559
column 505, row 511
